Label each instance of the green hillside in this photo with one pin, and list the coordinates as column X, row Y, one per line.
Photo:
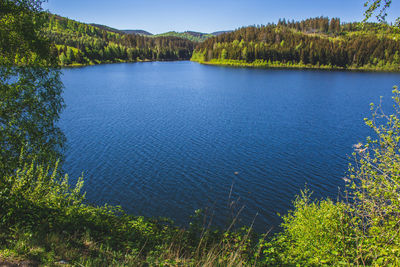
column 83, row 44
column 312, row 43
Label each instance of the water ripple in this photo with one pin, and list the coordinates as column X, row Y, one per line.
column 164, row 139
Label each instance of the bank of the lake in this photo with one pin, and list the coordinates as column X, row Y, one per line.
column 262, row 64
column 116, row 61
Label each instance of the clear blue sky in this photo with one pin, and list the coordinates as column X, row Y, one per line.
column 157, row 16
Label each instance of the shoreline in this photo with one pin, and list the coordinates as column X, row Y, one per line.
column 79, row 65
column 249, row 65
column 265, row 65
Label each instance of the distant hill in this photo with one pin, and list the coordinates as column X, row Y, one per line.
column 140, row 32
column 190, row 35
column 106, row 28
column 196, row 34
column 220, row 32
column 110, row 29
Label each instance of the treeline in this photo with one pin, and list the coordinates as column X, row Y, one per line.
column 334, row 27
column 79, row 43
column 313, row 42
column 321, row 24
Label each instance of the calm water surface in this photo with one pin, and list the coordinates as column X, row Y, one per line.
column 165, row 139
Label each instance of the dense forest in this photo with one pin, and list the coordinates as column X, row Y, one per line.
column 318, row 42
column 81, row 44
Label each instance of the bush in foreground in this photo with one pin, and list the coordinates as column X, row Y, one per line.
column 362, row 229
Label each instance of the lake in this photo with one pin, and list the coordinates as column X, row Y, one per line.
column 167, row 138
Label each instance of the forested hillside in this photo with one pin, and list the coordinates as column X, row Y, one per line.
column 81, row 44
column 314, row 43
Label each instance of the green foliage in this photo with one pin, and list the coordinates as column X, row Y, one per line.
column 37, row 203
column 82, row 44
column 200, row 57
column 313, row 43
column 30, row 87
column 377, row 6
column 21, row 41
column 33, row 195
column 375, row 185
column 314, row 233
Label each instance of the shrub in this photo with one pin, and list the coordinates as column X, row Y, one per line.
column 314, row 233
column 375, row 188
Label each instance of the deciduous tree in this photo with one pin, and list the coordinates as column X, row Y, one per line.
column 30, row 87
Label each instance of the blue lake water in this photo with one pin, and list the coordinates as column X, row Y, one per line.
column 167, row 138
